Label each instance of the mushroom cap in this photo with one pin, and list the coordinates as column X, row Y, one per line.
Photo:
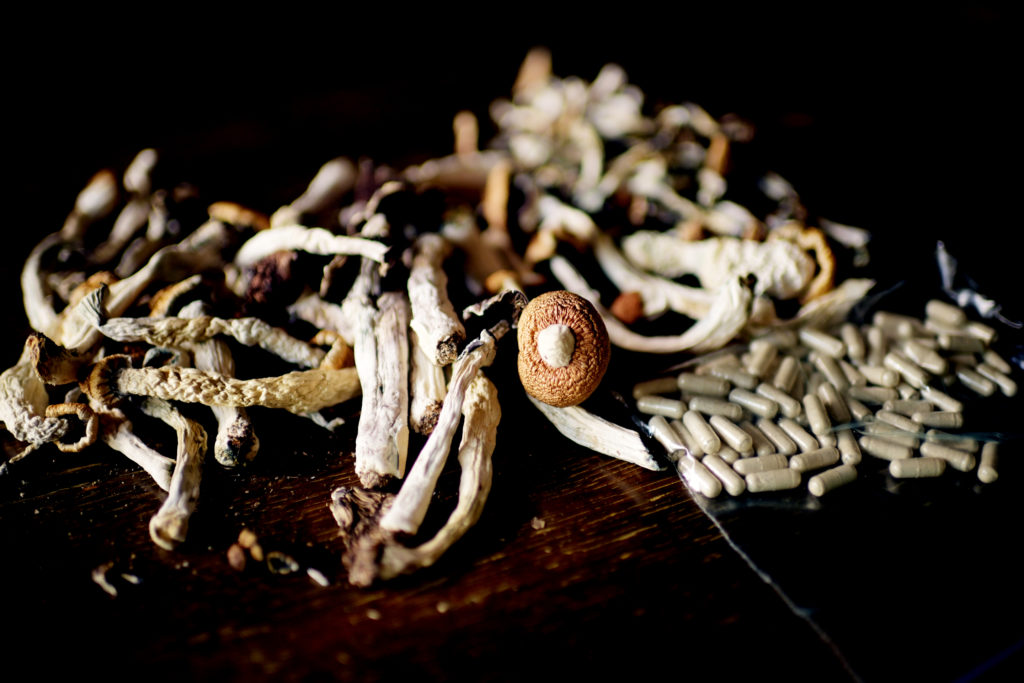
column 573, row 383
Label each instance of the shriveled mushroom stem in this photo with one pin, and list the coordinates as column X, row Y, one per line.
column 410, row 505
column 437, row 327
column 426, row 391
column 312, row 240
column 236, row 441
column 590, row 431
column 118, row 434
column 299, row 392
column 183, row 332
column 169, row 525
column 333, row 180
column 482, row 413
column 726, row 317
column 323, row 314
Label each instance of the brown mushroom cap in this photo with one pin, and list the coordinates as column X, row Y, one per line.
column 573, row 383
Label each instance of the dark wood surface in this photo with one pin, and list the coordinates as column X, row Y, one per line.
column 580, row 565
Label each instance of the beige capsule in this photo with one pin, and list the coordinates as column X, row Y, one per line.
column 786, row 374
column 702, row 431
column 817, row 418
column 660, row 405
column 697, row 476
column 876, row 395
column 854, row 377
column 728, row 454
column 831, row 479
column 907, row 407
column 661, row 385
column 691, row 443
column 815, row 460
column 855, row 347
column 755, row 403
column 925, row 357
column 736, row 376
column 706, row 405
column 994, row 360
column 834, row 403
column 733, row 483
column 892, row 433
column 960, row 343
column 877, row 346
column 880, row 375
column 802, row 438
column 917, row 468
column 901, row 422
column 884, row 449
column 963, row 443
column 732, row 435
column 760, row 463
column 773, row 480
column 760, row 357
column 846, row 442
column 788, row 406
column 858, row 410
column 783, row 444
column 957, row 459
column 762, row 445
column 988, row 467
column 896, row 325
column 1004, row 382
column 911, row 372
column 830, row 370
column 944, row 419
column 985, row 333
column 822, row 342
column 941, row 399
column 945, row 313
column 666, row 436
column 975, row 381
column 704, row 385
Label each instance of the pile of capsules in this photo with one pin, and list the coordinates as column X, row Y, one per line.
column 810, row 404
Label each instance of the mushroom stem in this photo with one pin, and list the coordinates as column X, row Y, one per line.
column 437, row 327
column 426, row 391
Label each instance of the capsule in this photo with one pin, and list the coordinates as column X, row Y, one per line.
column 659, row 405
column 816, row 415
column 732, row 434
column 760, row 463
column 830, row 479
column 804, row 441
column 755, row 403
column 761, row 356
column 666, row 436
column 849, row 451
column 910, row 371
column 957, row 459
column 880, row 375
column 917, row 468
column 788, row 406
column 733, row 483
column 737, row 376
column 945, row 313
column 895, row 325
column 982, row 331
column 704, row 385
column 884, row 449
column 830, row 370
column 878, row 395
column 702, row 431
column 877, row 347
column 963, row 443
column 987, row 468
column 994, row 360
column 893, row 434
column 907, row 392
column 662, row 385
column 815, row 460
column 762, row 446
column 960, row 343
column 941, row 399
column 773, row 480
column 975, row 381
column 728, row 454
column 834, row 403
column 822, row 342
column 925, row 357
column 697, row 476
column 855, row 347
column 691, row 444
column 716, row 406
column 1005, row 384
column 944, row 419
column 898, row 421
column 785, row 374
column 783, row 444
column 854, row 377
column 858, row 410
column 907, row 407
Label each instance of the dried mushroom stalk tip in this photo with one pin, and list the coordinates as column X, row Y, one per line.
column 437, row 327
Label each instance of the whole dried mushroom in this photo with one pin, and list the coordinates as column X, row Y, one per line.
column 564, row 348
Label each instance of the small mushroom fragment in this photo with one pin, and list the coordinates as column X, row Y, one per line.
column 236, row 442
column 23, row 403
column 169, row 526
column 563, row 348
column 427, row 389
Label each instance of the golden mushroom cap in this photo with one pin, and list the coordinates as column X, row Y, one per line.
column 574, row 382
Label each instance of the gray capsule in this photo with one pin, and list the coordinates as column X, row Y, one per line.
column 957, row 459
column 831, row 479
column 815, row 460
column 960, row 343
column 760, row 357
column 855, row 347
column 917, row 468
column 705, row 385
column 896, row 325
column 760, row 463
column 755, row 403
column 822, row 342
column 737, row 376
column 662, row 385
column 773, row 480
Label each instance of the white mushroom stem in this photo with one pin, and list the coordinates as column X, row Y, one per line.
column 590, row 431
column 437, row 327
column 659, row 294
column 426, row 391
column 650, row 180
column 823, row 312
column 410, row 505
column 128, row 222
column 724, row 320
column 169, row 525
column 482, row 412
column 782, row 268
column 122, row 439
column 35, row 294
column 183, row 332
column 323, row 315
column 312, row 240
column 333, row 180
column 236, row 442
column 95, row 201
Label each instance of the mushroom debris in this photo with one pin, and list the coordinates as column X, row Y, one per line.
column 612, row 206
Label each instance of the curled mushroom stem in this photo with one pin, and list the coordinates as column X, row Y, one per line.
column 410, row 504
